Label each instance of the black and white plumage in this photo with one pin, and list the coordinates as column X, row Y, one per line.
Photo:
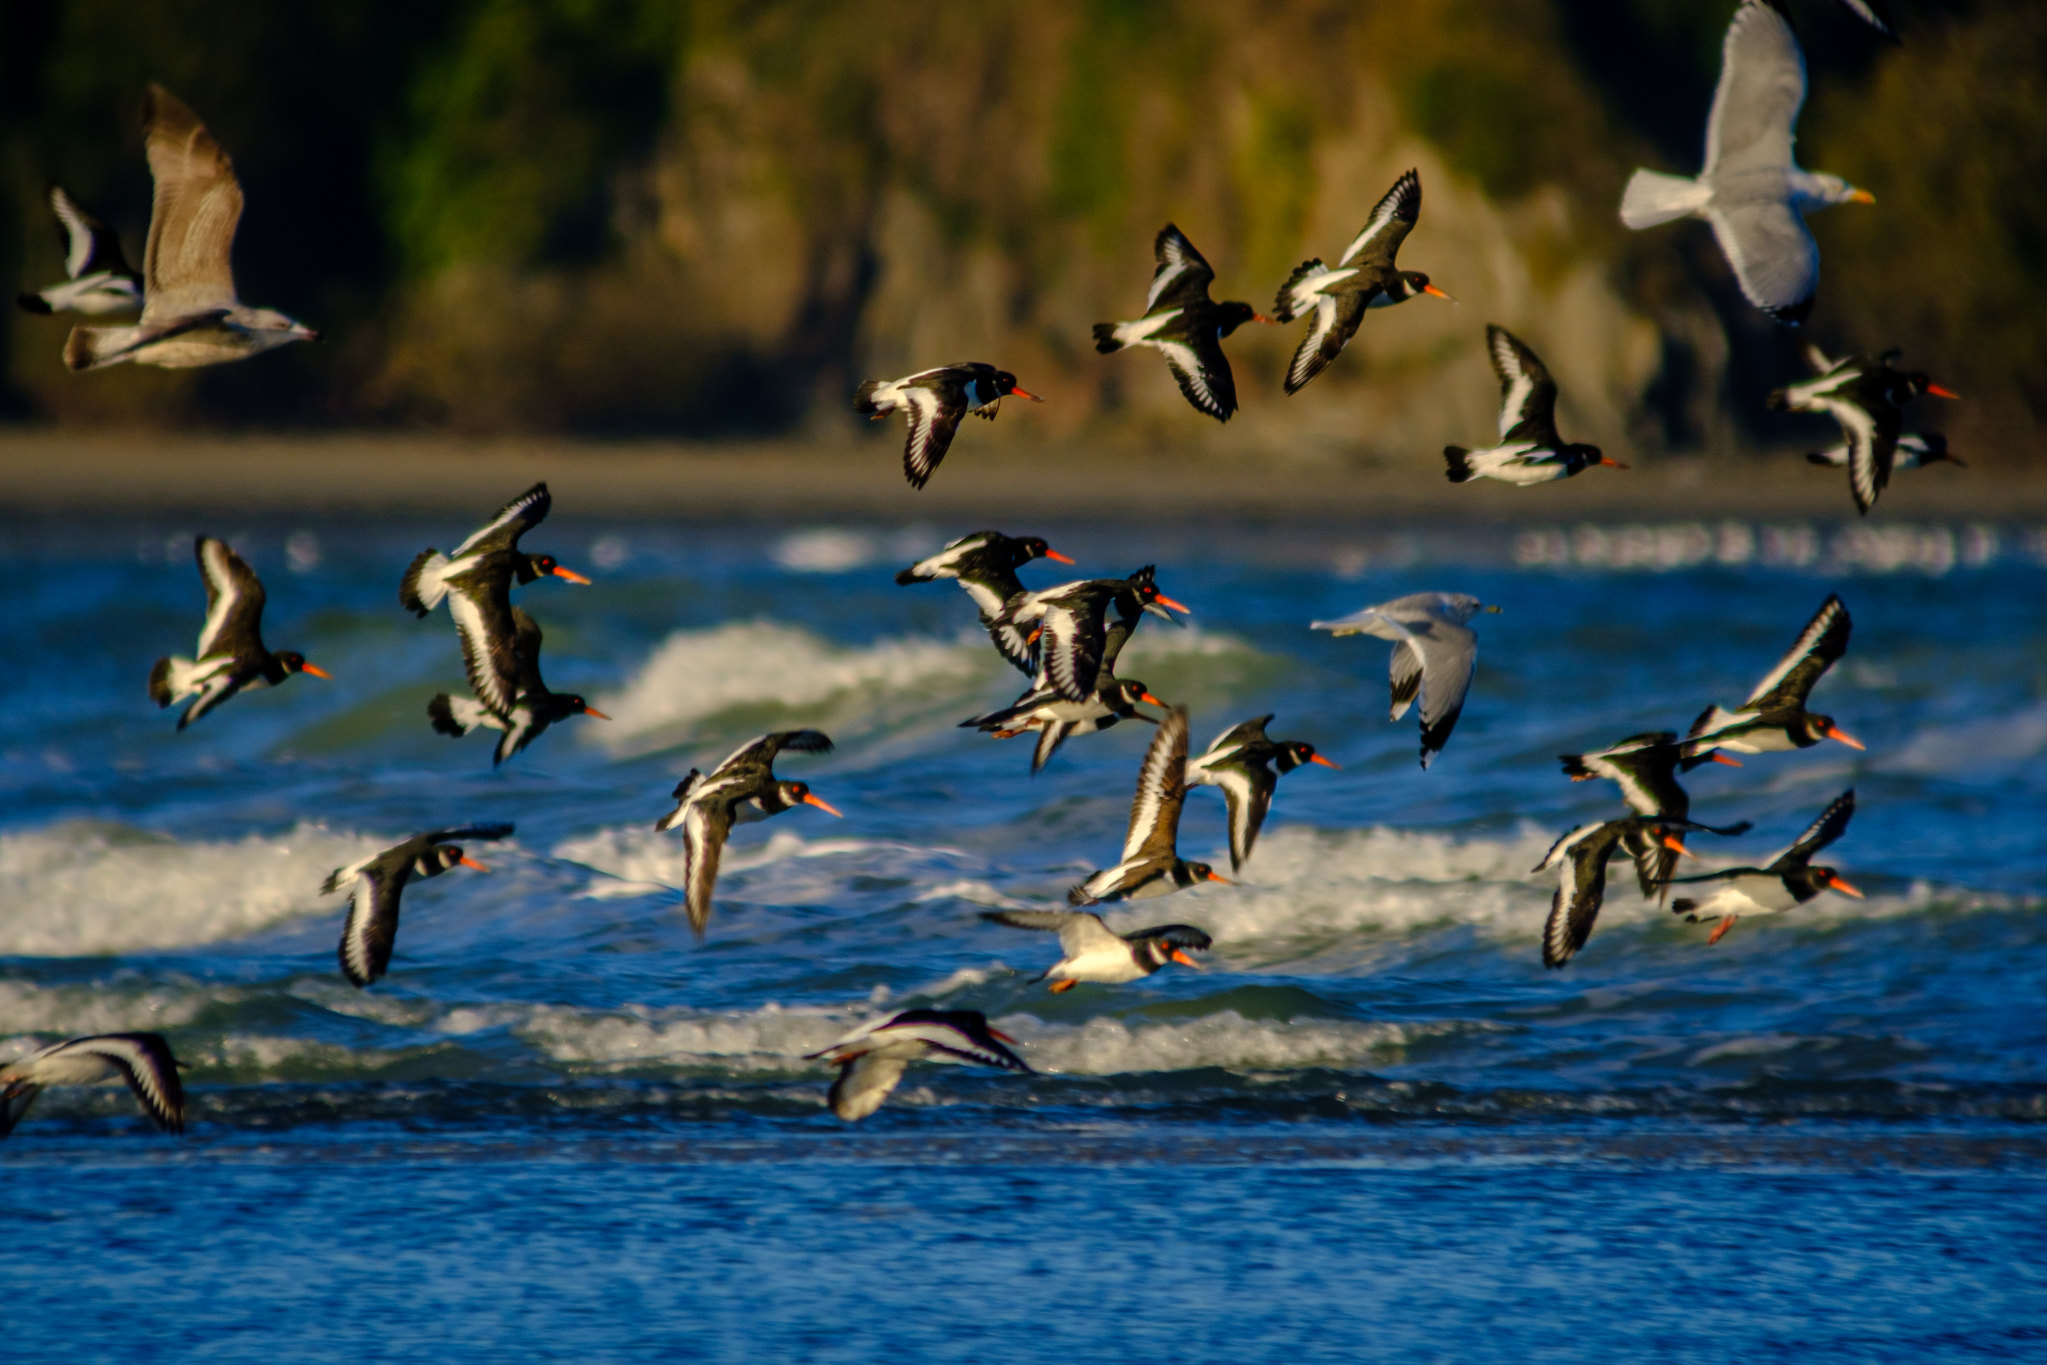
column 1581, row 857
column 1055, row 720
column 1867, row 399
column 985, row 564
column 872, row 1058
column 1081, row 627
column 1151, row 864
column 1788, row 879
column 191, row 315
column 1774, row 718
column 97, row 277
column 740, row 790
column 1915, row 450
column 1095, row 952
column 230, row 656
column 1752, row 190
column 378, row 881
column 1645, row 768
column 476, row 582
column 534, row 706
column 143, row 1060
column 1530, row 451
column 1365, row 277
column 934, row 401
column 1434, row 655
column 1183, row 324
column 1246, row 765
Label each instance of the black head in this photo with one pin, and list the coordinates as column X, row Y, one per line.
column 1005, row 384
column 1293, row 753
column 1807, row 882
column 1132, row 691
column 1148, row 595
column 799, row 794
column 546, row 566
column 1412, row 282
column 1811, row 727
column 575, row 706
column 291, row 661
column 440, row 858
column 1232, row 315
column 1202, row 872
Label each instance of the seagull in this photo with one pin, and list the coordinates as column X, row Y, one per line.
column 1788, row 880
column 1184, row 325
column 143, row 1060
column 871, row 1059
column 534, row 708
column 1076, row 640
column 1530, row 451
column 1581, row 857
column 1434, row 655
column 1238, row 764
column 98, row 278
column 1151, row 865
column 230, row 655
column 476, row 582
column 1057, row 720
column 379, row 880
column 190, row 313
column 985, row 564
column 1095, row 952
column 1865, row 397
column 1774, row 718
column 1645, row 768
column 1752, row 190
column 934, row 401
column 1365, row 277
column 740, row 790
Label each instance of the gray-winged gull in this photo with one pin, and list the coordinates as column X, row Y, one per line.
column 1434, row 655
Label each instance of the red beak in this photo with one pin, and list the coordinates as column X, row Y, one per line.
column 1146, row 696
column 1166, row 601
column 1613, row 464
column 999, row 1034
column 1317, row 758
column 316, row 671
column 1938, row 392
column 813, row 799
column 1179, row 955
column 571, row 575
column 1851, row 741
column 1845, row 889
column 1431, row 289
column 1021, row 394
column 590, row 710
column 468, row 861
column 1719, row 757
column 1058, row 558
column 1218, row 877
column 1260, row 317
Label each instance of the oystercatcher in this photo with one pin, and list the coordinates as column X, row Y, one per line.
column 190, row 313
column 230, row 656
column 1789, row 879
column 871, row 1059
column 1075, row 639
column 1241, row 762
column 985, row 564
column 477, row 582
column 1774, row 718
column 1645, row 768
column 1581, row 857
column 143, row 1060
column 1866, row 398
column 1151, row 865
column 1185, row 326
column 739, row 791
column 1057, row 720
column 1365, row 277
column 934, row 401
column 1752, row 190
column 97, row 277
column 1915, row 450
column 1530, row 451
column 1434, row 655
column 1095, row 952
column 379, row 880
column 534, row 708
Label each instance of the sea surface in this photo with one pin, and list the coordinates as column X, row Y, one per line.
column 1373, row 1127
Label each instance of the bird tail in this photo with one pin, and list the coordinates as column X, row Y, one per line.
column 870, row 401
column 89, row 348
column 1653, row 197
column 1683, row 906
column 173, row 677
column 457, row 716
column 1106, row 340
column 1290, row 304
column 32, row 303
column 422, row 588
column 1458, row 460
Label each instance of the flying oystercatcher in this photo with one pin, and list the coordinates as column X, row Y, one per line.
column 1434, row 655
column 230, row 656
column 1530, row 451
column 1645, row 768
column 1866, row 397
column 1581, row 857
column 872, row 1058
column 379, row 880
column 534, row 707
column 97, row 277
column 1095, row 952
column 1788, row 879
column 985, row 564
column 1242, row 763
column 1774, row 718
column 1075, row 638
column 1151, row 864
column 143, row 1060
column 1185, row 326
column 1056, row 720
column 934, row 401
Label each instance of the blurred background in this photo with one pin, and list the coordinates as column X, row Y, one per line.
column 709, row 219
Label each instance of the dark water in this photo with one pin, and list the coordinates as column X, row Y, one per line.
column 1375, row 1127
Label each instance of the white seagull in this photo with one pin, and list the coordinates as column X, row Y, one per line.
column 1434, row 655
column 97, row 277
column 143, row 1060
column 872, row 1058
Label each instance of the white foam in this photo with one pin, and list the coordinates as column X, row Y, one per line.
column 638, row 861
column 81, row 888
column 1109, row 1047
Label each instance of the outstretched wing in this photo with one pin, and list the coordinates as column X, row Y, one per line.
column 495, row 829
column 490, row 642
column 234, row 596
column 705, row 826
column 1336, row 322
column 1161, row 789
column 1182, row 274
column 145, row 1062
column 1392, row 219
column 192, row 221
column 1762, row 86
column 1581, row 890
column 89, row 245
column 1405, row 675
column 513, row 520
column 1179, row 935
column 1831, row 825
column 932, row 425
column 1528, row 395
column 1248, row 791
column 1823, row 641
column 1079, row 933
column 1449, row 656
column 1775, row 260
column 371, row 930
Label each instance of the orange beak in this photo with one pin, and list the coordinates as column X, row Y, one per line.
column 1218, row 877
column 571, row 575
column 590, row 710
column 1166, row 601
column 316, row 671
column 1021, row 394
column 1719, row 757
column 1612, row 464
column 1000, row 1035
column 1838, row 885
column 1032, row 638
column 1180, row 956
column 1671, row 841
column 1058, row 558
column 1938, row 392
column 1260, row 317
column 813, row 799
column 1317, row 758
column 1836, row 732
column 1146, row 696
column 468, row 861
column 1861, row 197
column 1431, row 289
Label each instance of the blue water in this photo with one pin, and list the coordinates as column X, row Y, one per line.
column 1374, row 1127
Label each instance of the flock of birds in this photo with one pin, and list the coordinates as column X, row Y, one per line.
column 1066, row 638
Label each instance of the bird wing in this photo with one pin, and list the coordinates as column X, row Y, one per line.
column 1248, row 791
column 372, row 926
column 234, row 595
column 1178, row 935
column 1078, row 933
column 1070, row 650
column 1866, row 12
column 1528, row 395
column 490, row 642
column 754, row 760
column 1774, row 257
column 1762, row 85
column 513, row 520
column 1336, row 321
column 1392, row 219
column 1405, row 672
column 1824, row 640
column 1182, row 273
column 705, row 826
column 1831, row 825
column 493, row 829
column 145, row 1062
column 1203, row 373
column 1449, row 656
column 192, row 221
column 1581, row 890
column 932, row 422
column 89, row 244
column 1161, row 788
column 864, row 1081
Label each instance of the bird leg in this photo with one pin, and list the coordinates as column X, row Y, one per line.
column 1720, row 930
column 1058, row 987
